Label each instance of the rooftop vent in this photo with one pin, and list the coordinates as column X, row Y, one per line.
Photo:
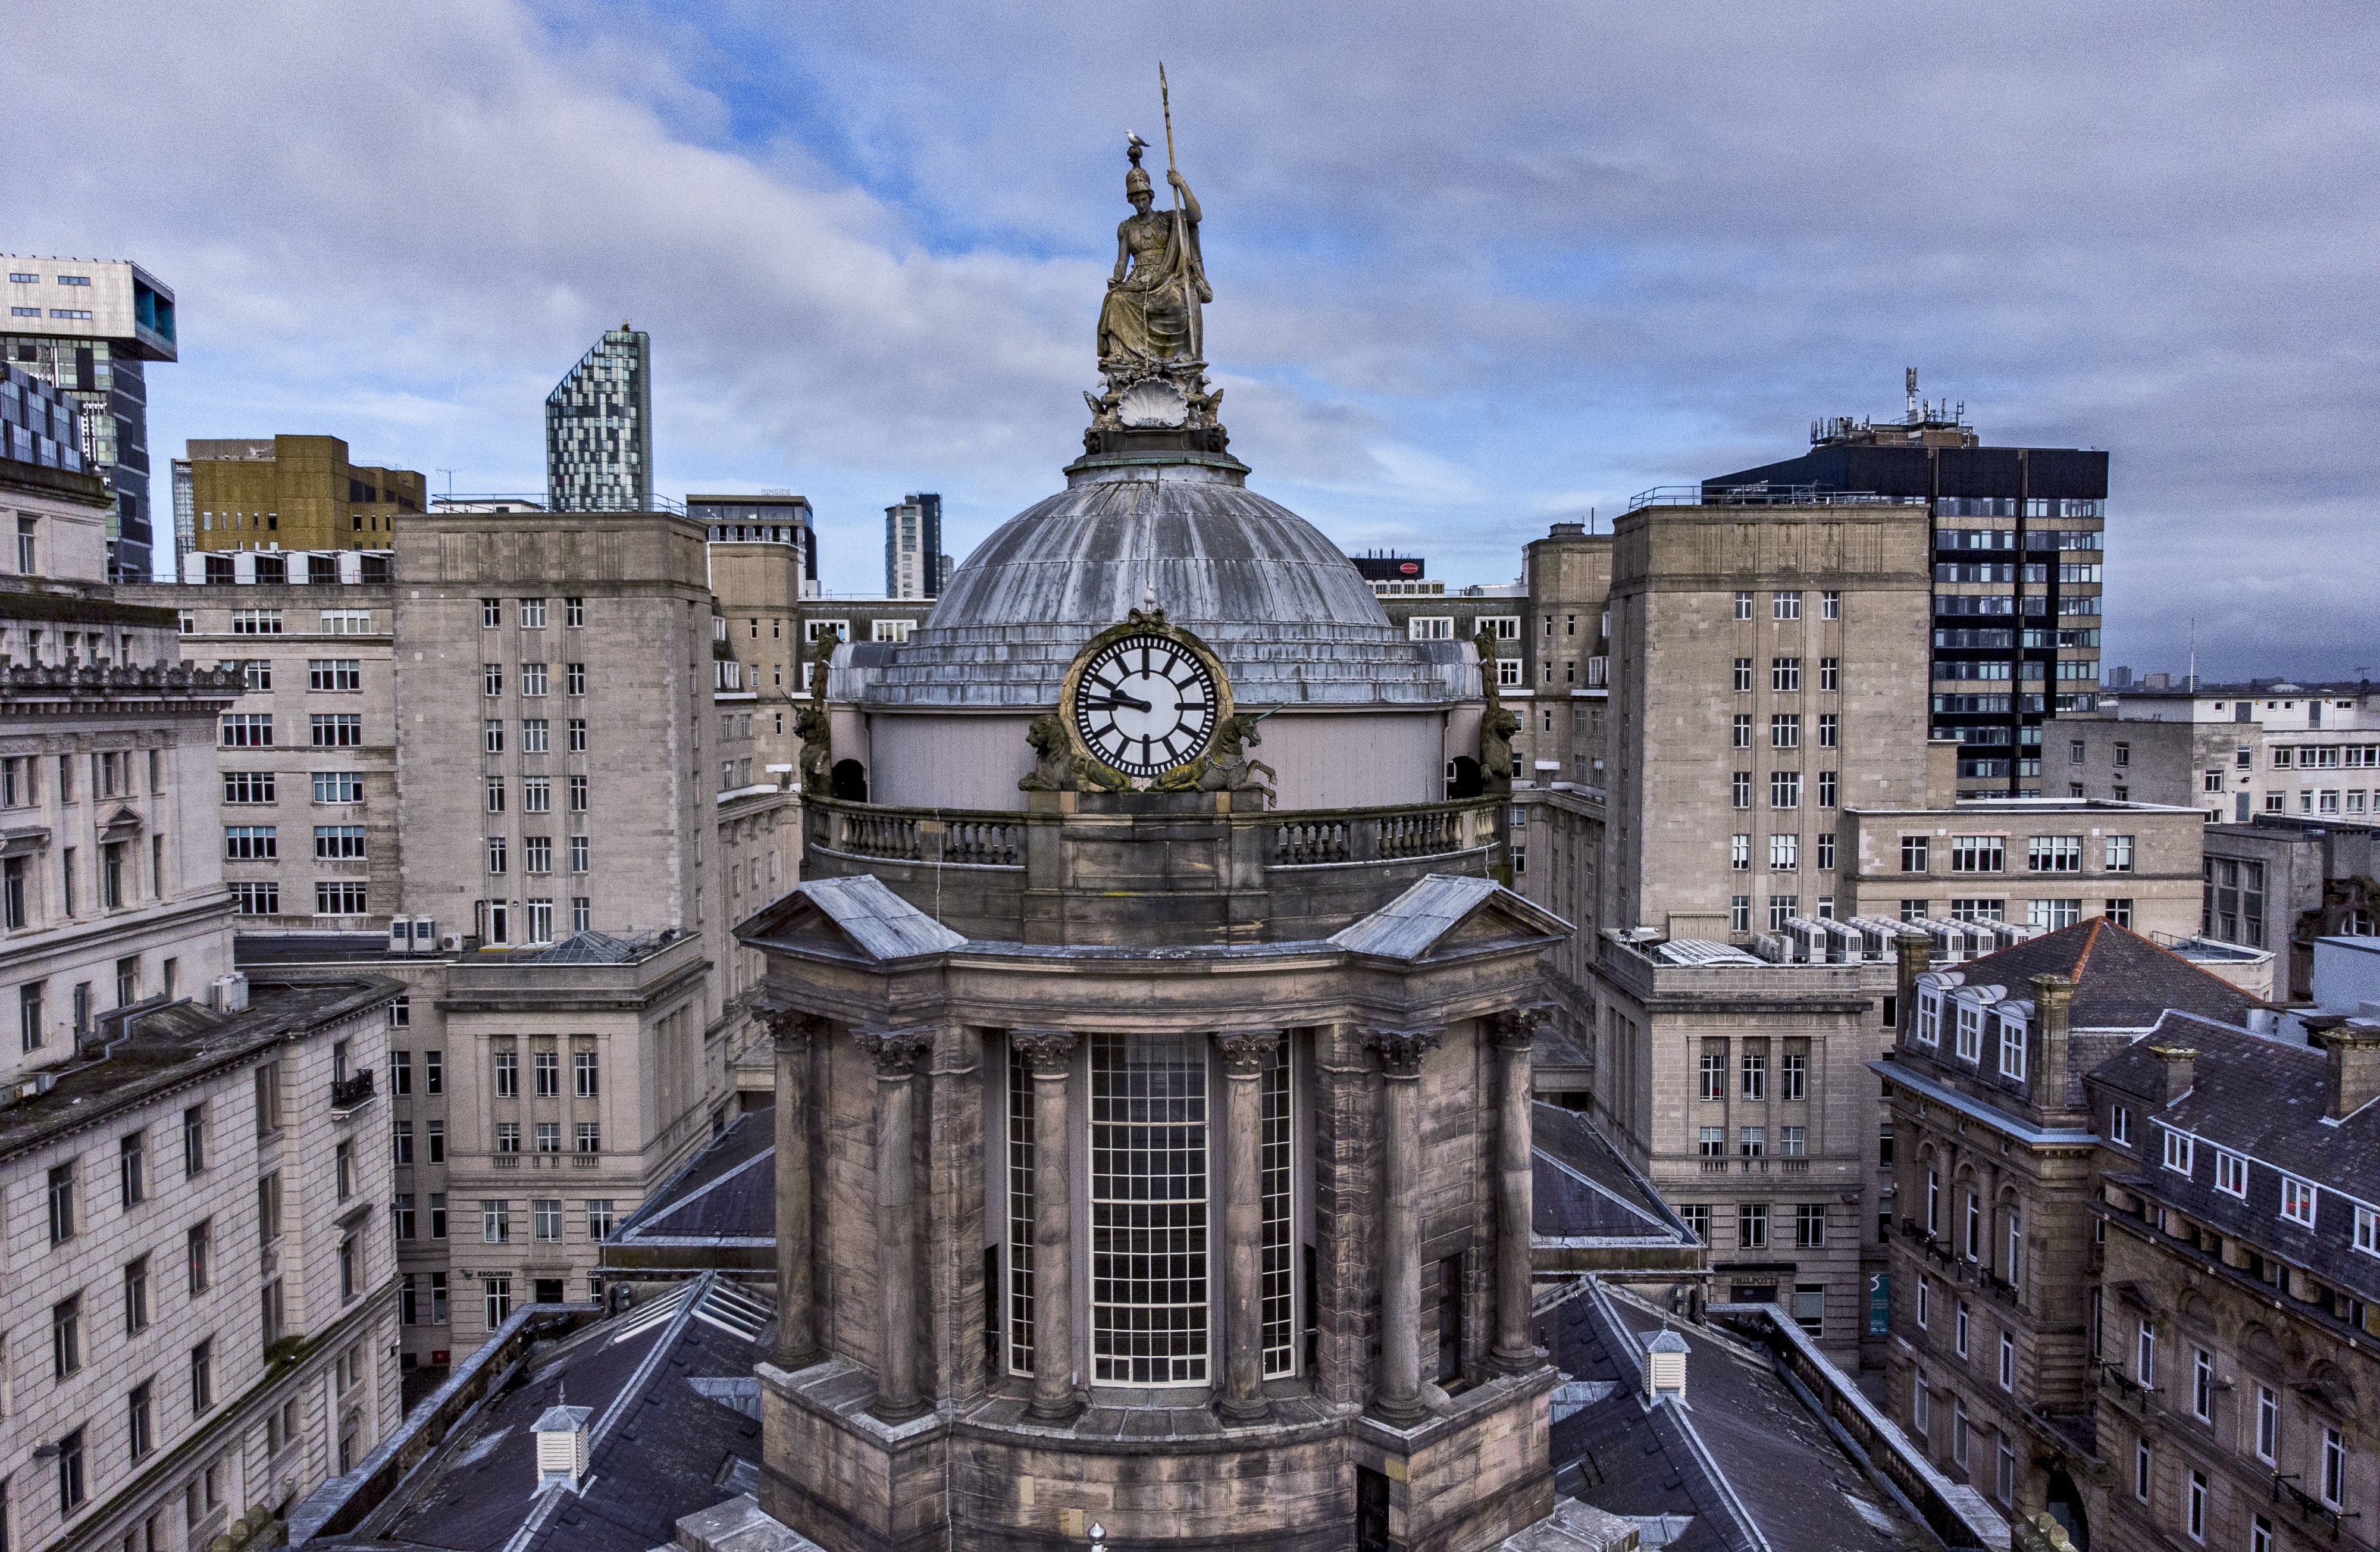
column 1665, row 1366
column 561, row 1444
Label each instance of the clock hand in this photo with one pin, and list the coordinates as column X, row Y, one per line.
column 1118, row 698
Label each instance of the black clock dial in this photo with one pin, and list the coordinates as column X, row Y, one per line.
column 1144, row 705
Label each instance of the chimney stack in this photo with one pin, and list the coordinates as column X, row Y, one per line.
column 2053, row 1015
column 2180, row 1071
column 2353, row 1080
column 1917, row 951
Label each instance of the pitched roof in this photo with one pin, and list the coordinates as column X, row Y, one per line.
column 1431, row 912
column 880, row 922
column 2122, row 980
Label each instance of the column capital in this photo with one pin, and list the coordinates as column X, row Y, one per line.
column 793, row 1028
column 1517, row 1027
column 1244, row 1050
column 896, row 1051
column 1400, row 1052
column 1048, row 1053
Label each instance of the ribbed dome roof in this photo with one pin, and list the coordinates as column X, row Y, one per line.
column 1288, row 614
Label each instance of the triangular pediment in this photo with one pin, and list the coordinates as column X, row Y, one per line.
column 846, row 919
column 1445, row 915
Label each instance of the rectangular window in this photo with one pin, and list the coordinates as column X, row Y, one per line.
column 1793, row 1142
column 586, row 1079
column 1826, row 725
column 536, row 737
column 496, row 1222
column 336, row 730
column 2201, row 1385
column 202, row 1375
column 1743, row 606
column 1784, row 789
column 590, row 1136
column 578, row 794
column 545, row 1214
column 1978, row 853
column 248, row 786
column 2230, row 1172
column 339, row 843
column 1784, row 853
column 1149, row 1209
column 2117, row 856
column 575, row 679
column 578, row 847
column 1785, row 675
column 243, row 729
column 532, row 679
column 338, row 786
column 2334, row 1468
column 1752, row 1226
column 496, row 863
column 601, row 1217
column 1810, row 1226
column 2054, row 853
column 1712, row 1078
column 2177, row 1150
column 491, row 735
column 1794, row 1075
column 256, row 622
column 1739, row 913
column 1785, row 606
column 335, row 674
column 2144, row 1354
column 1743, row 675
column 341, row 898
column 1697, row 1217
column 1752, row 1142
column 1712, row 1141
column 2268, row 1426
column 1740, row 852
column 532, row 613
column 1755, row 1074
column 1740, row 789
column 251, row 843
column 2298, row 1200
column 346, row 622
column 1785, row 730
column 2007, row 1360
column 496, row 1295
column 1741, row 734
column 537, row 856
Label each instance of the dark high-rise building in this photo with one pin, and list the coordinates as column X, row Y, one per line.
column 914, row 565
column 88, row 326
column 2017, row 547
column 599, row 428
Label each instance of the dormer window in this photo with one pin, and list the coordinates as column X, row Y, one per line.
column 2298, row 1200
column 1970, row 1032
column 2178, row 1148
column 2120, row 1125
column 2230, row 1173
column 2012, row 1049
column 1929, row 1018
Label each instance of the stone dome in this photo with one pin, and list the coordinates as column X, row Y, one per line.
column 1292, row 619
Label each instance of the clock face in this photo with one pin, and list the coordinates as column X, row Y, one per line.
column 1144, row 703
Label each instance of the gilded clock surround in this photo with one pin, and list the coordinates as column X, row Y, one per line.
column 1146, row 621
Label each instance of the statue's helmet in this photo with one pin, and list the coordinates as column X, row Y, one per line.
column 1136, row 182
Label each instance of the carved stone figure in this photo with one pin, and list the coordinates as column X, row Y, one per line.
column 1225, row 767
column 1056, row 766
column 812, row 727
column 1495, row 731
column 1151, row 314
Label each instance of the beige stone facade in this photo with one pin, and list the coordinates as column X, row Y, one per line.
column 2045, row 863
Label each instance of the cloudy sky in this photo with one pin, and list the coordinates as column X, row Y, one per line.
column 1476, row 267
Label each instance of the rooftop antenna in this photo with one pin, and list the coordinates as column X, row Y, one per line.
column 2193, row 651
column 1911, row 375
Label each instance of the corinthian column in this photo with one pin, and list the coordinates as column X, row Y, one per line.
column 897, row 1054
column 1513, row 1030
column 1049, row 1057
column 1401, row 1053
column 797, row 1343
column 1243, row 1052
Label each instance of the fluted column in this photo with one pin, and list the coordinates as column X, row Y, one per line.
column 1049, row 1057
column 1401, row 1052
column 896, row 1053
column 1243, row 1052
column 1515, row 1178
column 797, row 1343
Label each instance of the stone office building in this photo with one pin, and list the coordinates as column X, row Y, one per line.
column 1154, row 1145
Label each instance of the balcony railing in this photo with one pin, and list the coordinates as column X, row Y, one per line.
column 2309, row 1506
column 353, row 1092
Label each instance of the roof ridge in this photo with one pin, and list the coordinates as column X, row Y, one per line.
column 2230, row 987
column 2090, row 942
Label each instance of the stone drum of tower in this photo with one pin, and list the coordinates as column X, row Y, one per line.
column 1152, row 1032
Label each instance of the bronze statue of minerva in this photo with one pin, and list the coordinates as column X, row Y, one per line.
column 1151, row 313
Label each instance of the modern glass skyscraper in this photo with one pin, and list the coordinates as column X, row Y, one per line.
column 88, row 327
column 599, row 428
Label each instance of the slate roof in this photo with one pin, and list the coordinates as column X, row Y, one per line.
column 1742, row 1465
column 2264, row 1098
column 675, row 1429
column 729, row 1190
column 1410, row 926
column 880, row 922
column 1584, row 1190
column 2122, row 980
